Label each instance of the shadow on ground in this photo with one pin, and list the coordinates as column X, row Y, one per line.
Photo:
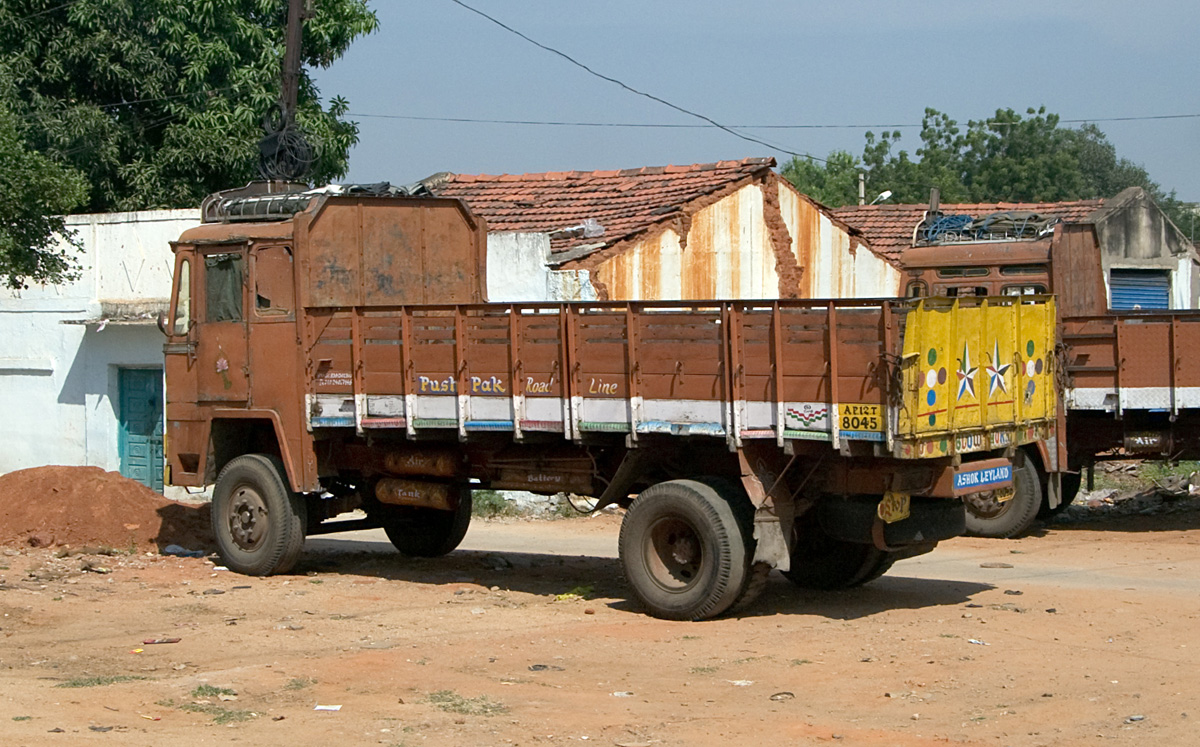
column 551, row 575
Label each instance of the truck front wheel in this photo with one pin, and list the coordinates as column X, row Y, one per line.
column 684, row 551
column 257, row 520
column 988, row 517
column 426, row 532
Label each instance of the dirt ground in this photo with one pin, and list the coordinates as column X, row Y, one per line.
column 1083, row 634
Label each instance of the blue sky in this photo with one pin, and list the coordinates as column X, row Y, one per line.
column 851, row 62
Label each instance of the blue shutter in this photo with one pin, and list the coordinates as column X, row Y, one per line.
column 1142, row 289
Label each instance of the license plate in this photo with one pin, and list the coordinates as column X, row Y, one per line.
column 894, row 507
column 864, row 422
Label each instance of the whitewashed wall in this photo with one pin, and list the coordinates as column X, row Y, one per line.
column 58, row 382
column 518, row 271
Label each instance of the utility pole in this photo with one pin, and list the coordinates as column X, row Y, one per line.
column 290, row 91
column 284, row 152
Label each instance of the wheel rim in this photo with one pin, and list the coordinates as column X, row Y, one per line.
column 246, row 516
column 674, row 553
column 985, row 505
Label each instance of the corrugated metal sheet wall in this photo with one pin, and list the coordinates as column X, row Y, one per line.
column 728, row 255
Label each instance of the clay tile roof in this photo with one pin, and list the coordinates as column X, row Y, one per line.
column 623, row 202
column 889, row 228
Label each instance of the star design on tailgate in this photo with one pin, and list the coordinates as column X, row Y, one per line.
column 966, row 373
column 996, row 372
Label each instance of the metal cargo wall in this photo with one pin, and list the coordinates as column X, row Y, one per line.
column 833, row 266
column 727, row 255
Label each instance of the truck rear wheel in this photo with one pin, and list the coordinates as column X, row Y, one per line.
column 684, row 551
column 827, row 563
column 988, row 517
column 257, row 520
column 426, row 532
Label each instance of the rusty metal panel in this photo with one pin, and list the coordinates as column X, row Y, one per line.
column 1078, row 274
column 386, row 251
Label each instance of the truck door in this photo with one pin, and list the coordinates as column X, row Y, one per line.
column 220, row 336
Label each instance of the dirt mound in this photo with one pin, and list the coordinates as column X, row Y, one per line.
column 77, row 506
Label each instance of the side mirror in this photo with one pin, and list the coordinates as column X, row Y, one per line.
column 162, row 323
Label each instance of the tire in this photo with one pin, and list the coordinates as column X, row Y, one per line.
column 825, row 563
column 257, row 520
column 987, row 517
column 1071, row 482
column 684, row 551
column 426, row 532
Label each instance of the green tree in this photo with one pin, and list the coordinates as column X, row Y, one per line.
column 161, row 102
column 1008, row 157
column 34, row 195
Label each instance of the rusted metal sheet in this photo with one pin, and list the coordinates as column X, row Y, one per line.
column 1078, row 272
column 745, row 246
column 364, row 251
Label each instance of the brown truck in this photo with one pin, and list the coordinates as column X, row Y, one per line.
column 1130, row 387
column 333, row 354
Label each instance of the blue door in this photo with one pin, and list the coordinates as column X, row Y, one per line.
column 141, row 421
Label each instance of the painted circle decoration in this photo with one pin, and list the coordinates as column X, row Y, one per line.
column 941, row 375
column 1029, row 348
column 931, row 398
column 1029, row 389
column 1038, row 366
column 933, row 419
column 931, row 378
column 932, row 357
column 1030, row 368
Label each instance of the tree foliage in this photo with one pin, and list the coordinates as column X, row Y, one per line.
column 161, row 102
column 1007, row 158
column 135, row 104
column 35, row 193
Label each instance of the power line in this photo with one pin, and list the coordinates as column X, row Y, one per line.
column 663, row 125
column 712, row 122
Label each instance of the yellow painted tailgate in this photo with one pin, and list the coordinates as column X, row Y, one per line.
column 978, row 373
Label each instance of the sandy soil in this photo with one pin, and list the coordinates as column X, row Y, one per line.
column 1083, row 635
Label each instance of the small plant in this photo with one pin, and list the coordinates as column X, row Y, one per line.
column 209, row 691
column 798, row 662
column 709, row 669
column 299, row 683
column 578, row 593
column 99, row 680
column 448, row 700
column 220, row 714
column 489, row 504
column 22, row 718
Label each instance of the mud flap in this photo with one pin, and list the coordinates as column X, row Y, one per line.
column 771, row 545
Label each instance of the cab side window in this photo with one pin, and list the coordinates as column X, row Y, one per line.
column 273, row 295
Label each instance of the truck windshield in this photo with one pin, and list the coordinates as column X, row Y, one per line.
column 223, row 288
